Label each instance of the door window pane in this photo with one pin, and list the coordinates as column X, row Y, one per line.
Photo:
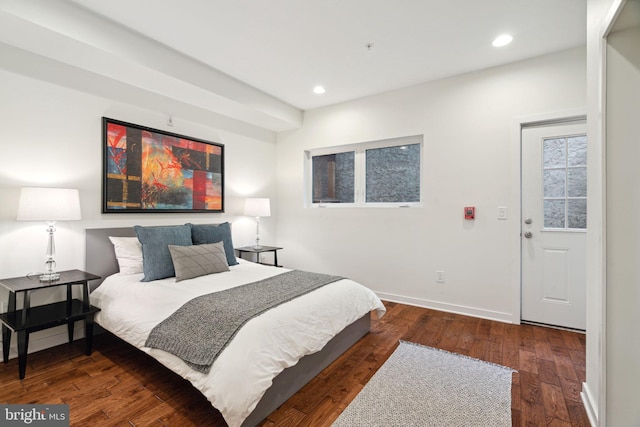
column 577, row 182
column 554, row 182
column 577, row 213
column 554, row 213
column 393, row 174
column 554, row 152
column 333, row 178
column 564, row 178
column 577, row 151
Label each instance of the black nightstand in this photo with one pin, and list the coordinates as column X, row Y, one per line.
column 31, row 319
column 252, row 250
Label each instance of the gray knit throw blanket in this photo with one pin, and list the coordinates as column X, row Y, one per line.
column 199, row 330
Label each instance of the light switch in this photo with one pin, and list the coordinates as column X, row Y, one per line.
column 502, row 212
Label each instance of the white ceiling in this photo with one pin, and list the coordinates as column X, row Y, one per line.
column 285, row 47
column 257, row 61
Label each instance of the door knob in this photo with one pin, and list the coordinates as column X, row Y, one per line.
column 528, row 220
column 528, row 234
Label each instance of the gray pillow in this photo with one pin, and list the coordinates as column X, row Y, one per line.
column 156, row 259
column 214, row 233
column 198, row 260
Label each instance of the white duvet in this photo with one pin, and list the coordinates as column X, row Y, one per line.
column 264, row 347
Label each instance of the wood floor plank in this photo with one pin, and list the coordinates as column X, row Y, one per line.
column 480, row 349
column 571, row 390
column 288, row 417
column 483, row 329
column 495, row 352
column 119, row 385
column 467, row 337
column 565, row 368
column 497, row 329
column 527, row 341
column 532, row 414
column 547, row 372
column 451, row 334
column 543, row 350
column 530, row 389
column 528, row 361
column 516, row 404
column 554, row 402
column 511, row 347
column 324, row 414
column 577, row 414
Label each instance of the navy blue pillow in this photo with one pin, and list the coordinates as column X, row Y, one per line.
column 156, row 258
column 213, row 233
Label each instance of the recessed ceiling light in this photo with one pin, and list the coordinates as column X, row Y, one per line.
column 502, row 40
column 319, row 90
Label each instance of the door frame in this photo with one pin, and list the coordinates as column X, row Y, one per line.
column 515, row 227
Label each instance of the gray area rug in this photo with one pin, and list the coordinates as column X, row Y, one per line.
column 423, row 386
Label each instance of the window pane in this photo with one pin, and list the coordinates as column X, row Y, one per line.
column 577, row 151
column 554, row 182
column 554, row 213
column 565, row 182
column 577, row 213
column 554, row 152
column 333, row 178
column 577, row 182
column 393, row 174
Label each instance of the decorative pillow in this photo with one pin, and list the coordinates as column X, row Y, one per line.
column 214, row 233
column 198, row 260
column 128, row 253
column 155, row 242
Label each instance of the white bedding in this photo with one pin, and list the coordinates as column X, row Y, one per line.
column 264, row 347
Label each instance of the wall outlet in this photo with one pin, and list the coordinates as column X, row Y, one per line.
column 440, row 276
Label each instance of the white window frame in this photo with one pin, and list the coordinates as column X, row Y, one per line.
column 359, row 150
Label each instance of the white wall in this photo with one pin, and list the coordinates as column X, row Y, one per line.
column 613, row 373
column 51, row 136
column 593, row 393
column 622, row 228
column 468, row 160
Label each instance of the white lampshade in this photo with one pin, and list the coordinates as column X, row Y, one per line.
column 48, row 204
column 257, row 206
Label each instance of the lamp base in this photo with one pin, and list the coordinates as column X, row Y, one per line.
column 49, row 277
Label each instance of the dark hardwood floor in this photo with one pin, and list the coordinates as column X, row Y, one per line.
column 120, row 386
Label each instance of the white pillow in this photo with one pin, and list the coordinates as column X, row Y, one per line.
column 128, row 253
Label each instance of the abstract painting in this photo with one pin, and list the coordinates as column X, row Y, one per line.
column 149, row 170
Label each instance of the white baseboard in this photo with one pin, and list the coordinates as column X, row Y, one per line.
column 47, row 338
column 449, row 308
column 590, row 406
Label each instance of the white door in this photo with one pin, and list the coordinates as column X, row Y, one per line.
column 554, row 220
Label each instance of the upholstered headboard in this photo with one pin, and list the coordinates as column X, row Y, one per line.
column 100, row 256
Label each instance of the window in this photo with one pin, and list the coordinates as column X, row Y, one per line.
column 333, row 178
column 378, row 173
column 565, row 182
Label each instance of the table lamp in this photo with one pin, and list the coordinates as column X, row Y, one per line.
column 49, row 205
column 257, row 206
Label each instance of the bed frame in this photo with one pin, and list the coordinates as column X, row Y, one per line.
column 101, row 260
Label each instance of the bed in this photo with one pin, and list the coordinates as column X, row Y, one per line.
column 270, row 358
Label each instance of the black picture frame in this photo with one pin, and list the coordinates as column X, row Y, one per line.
column 148, row 170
